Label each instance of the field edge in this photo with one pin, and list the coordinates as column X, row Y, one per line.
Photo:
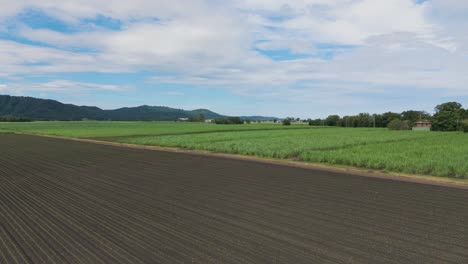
column 355, row 171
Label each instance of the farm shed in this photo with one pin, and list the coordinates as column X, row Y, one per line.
column 422, row 126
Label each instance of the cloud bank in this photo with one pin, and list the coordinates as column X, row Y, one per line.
column 299, row 50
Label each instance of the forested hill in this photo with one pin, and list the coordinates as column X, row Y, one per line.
column 53, row 110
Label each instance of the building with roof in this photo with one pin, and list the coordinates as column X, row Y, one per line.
column 422, row 126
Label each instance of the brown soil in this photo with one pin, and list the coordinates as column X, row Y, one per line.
column 64, row 201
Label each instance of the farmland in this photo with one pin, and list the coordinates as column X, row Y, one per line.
column 439, row 154
column 92, row 129
column 436, row 153
column 72, row 202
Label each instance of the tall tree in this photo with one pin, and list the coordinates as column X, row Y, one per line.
column 364, row 120
column 388, row 117
column 448, row 117
column 332, row 120
column 415, row 116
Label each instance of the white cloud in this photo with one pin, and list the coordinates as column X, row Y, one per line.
column 397, row 43
column 398, row 62
column 340, row 21
column 213, row 36
column 73, row 10
column 19, row 58
column 61, row 86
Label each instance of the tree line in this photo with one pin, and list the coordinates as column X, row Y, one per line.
column 449, row 116
column 10, row 118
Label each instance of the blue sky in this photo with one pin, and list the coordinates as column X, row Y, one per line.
column 304, row 58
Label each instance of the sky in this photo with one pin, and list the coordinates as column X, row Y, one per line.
column 300, row 58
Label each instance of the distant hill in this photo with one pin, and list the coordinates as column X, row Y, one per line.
column 53, row 110
column 207, row 113
column 45, row 109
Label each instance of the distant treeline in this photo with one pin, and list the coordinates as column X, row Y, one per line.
column 228, row 120
column 448, row 117
column 14, row 119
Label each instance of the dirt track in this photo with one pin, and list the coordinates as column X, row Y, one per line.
column 64, row 201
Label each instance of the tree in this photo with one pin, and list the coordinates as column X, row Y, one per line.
column 465, row 125
column 378, row 120
column 415, row 116
column 14, row 119
column 197, row 118
column 388, row 117
column 332, row 120
column 345, row 121
column 286, row 122
column 229, row 120
column 353, row 121
column 411, row 115
column 397, row 124
column 315, row 122
column 448, row 117
column 364, row 120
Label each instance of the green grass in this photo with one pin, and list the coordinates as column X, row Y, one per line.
column 428, row 153
column 93, row 129
column 438, row 154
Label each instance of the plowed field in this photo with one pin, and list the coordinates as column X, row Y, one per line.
column 72, row 202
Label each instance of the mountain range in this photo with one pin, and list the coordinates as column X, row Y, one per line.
column 45, row 109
